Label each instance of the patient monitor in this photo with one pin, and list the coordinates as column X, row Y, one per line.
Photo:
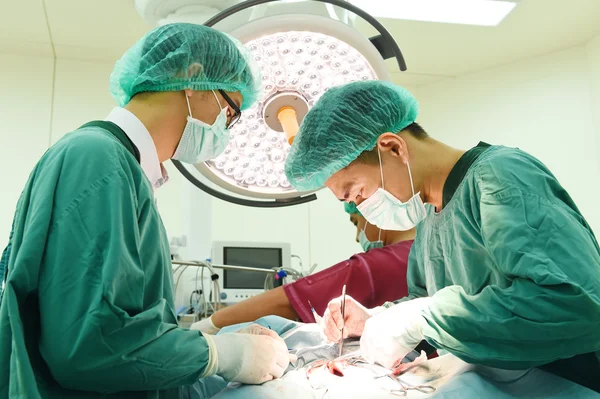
column 237, row 285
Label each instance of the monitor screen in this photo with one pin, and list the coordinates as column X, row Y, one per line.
column 263, row 258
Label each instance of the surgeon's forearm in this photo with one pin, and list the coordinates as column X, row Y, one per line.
column 273, row 302
column 518, row 327
column 120, row 363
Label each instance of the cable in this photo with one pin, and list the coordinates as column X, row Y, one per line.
column 270, row 279
column 300, row 263
column 269, row 282
column 179, row 277
column 210, row 293
column 178, row 267
column 191, row 302
column 205, row 302
column 196, row 289
column 214, row 287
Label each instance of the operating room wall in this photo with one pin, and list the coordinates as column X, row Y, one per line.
column 546, row 105
column 593, row 50
column 25, row 98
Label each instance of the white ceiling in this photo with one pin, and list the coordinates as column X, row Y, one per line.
column 435, row 51
column 103, row 30
column 79, row 29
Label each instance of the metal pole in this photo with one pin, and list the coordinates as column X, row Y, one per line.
column 226, row 267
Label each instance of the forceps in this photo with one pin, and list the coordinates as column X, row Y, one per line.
column 341, row 343
column 405, row 387
column 421, row 388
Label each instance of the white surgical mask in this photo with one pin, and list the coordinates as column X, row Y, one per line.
column 201, row 141
column 389, row 213
column 366, row 244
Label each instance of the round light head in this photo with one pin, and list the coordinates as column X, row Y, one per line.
column 297, row 67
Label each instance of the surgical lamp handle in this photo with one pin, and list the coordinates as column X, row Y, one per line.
column 339, row 3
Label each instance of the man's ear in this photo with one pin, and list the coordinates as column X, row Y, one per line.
column 394, row 145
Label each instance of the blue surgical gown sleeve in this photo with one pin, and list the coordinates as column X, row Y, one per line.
column 107, row 322
column 539, row 241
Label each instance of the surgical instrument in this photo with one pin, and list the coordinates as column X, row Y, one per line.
column 404, row 386
column 421, row 388
column 341, row 343
column 318, row 319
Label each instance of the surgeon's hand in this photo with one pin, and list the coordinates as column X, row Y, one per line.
column 206, row 326
column 355, row 316
column 389, row 336
column 252, row 355
column 257, row 329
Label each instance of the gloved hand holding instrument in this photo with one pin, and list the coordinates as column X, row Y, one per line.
column 389, row 336
column 352, row 322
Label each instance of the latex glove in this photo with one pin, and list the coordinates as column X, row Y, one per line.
column 206, row 326
column 389, row 336
column 257, row 329
column 355, row 316
column 252, row 355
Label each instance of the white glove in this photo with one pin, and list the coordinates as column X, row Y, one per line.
column 390, row 335
column 257, row 329
column 355, row 316
column 252, row 355
column 206, row 326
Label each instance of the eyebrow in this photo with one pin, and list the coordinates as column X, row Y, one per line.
column 346, row 190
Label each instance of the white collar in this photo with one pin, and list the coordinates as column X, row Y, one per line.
column 139, row 135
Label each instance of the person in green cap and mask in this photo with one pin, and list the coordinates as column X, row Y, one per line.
column 504, row 271
column 370, row 236
column 87, row 306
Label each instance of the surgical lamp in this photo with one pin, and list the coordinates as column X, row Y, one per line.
column 301, row 56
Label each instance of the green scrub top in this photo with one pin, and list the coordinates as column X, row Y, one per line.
column 512, row 267
column 87, row 310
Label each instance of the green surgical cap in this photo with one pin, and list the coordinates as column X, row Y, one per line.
column 346, row 121
column 186, row 56
column 350, row 207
